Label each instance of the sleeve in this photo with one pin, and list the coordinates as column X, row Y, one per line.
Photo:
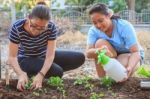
column 129, row 36
column 53, row 32
column 13, row 35
column 91, row 38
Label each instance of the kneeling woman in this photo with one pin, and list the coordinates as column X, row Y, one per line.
column 32, row 49
column 116, row 35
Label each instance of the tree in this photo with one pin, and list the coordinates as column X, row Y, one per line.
column 131, row 4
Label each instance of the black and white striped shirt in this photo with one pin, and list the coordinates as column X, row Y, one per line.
column 31, row 46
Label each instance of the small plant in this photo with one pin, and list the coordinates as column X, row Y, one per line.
column 58, row 83
column 36, row 93
column 29, row 84
column 55, row 81
column 143, row 72
column 94, row 96
column 107, row 81
column 79, row 81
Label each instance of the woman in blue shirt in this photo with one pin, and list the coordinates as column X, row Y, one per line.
column 117, row 36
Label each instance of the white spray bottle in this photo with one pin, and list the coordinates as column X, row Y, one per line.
column 112, row 67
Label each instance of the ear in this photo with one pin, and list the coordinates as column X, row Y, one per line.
column 110, row 13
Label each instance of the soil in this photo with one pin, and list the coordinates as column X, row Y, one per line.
column 126, row 90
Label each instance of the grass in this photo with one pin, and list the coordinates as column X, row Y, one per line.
column 72, row 38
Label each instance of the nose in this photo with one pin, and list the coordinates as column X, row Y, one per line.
column 99, row 25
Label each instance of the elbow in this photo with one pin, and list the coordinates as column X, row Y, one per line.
column 11, row 60
column 87, row 54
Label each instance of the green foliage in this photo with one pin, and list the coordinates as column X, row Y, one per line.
column 80, row 81
column 29, row 84
column 119, row 5
column 94, row 96
column 107, row 81
column 85, row 82
column 55, row 81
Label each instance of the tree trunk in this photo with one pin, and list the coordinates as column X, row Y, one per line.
column 131, row 4
column 131, row 8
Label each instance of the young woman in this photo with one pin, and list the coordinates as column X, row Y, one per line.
column 115, row 35
column 32, row 49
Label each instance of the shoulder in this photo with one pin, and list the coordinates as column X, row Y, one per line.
column 51, row 25
column 122, row 23
column 19, row 23
column 93, row 30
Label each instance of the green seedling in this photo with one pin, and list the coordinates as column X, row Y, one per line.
column 85, row 82
column 58, row 83
column 55, row 81
column 79, row 81
column 29, row 84
column 94, row 96
column 101, row 94
column 107, row 81
column 36, row 93
column 143, row 72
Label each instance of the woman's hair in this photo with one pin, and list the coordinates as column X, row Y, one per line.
column 103, row 9
column 41, row 3
column 40, row 11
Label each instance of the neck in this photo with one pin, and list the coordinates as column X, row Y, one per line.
column 27, row 28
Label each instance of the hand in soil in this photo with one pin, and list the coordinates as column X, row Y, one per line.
column 37, row 82
column 23, row 79
column 129, row 70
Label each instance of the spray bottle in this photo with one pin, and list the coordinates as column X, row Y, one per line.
column 112, row 67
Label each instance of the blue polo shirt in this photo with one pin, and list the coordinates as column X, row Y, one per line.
column 123, row 36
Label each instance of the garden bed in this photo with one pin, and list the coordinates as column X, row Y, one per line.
column 126, row 90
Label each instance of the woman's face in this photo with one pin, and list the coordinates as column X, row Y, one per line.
column 37, row 26
column 101, row 22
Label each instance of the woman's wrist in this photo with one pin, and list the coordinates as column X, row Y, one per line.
column 42, row 74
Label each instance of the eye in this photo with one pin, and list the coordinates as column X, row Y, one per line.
column 100, row 20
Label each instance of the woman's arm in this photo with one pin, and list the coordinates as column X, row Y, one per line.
column 13, row 61
column 90, row 52
column 12, row 58
column 133, row 59
column 49, row 56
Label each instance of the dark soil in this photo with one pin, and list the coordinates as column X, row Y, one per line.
column 126, row 90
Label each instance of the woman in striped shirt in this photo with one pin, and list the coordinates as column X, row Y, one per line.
column 32, row 49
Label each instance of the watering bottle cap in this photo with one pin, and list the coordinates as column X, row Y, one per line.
column 102, row 58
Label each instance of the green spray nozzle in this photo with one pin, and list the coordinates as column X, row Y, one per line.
column 102, row 57
column 143, row 72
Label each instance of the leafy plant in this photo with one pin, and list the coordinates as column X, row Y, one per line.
column 107, row 81
column 143, row 72
column 29, row 84
column 85, row 82
column 79, row 81
column 94, row 96
column 57, row 82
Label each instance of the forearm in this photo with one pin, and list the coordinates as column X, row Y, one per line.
column 91, row 53
column 15, row 65
column 47, row 64
column 134, row 60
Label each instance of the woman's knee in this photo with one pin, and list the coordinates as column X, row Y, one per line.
column 80, row 59
column 101, row 42
column 123, row 59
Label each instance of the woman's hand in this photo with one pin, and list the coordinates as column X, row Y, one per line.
column 37, row 81
column 108, row 52
column 23, row 79
column 129, row 70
